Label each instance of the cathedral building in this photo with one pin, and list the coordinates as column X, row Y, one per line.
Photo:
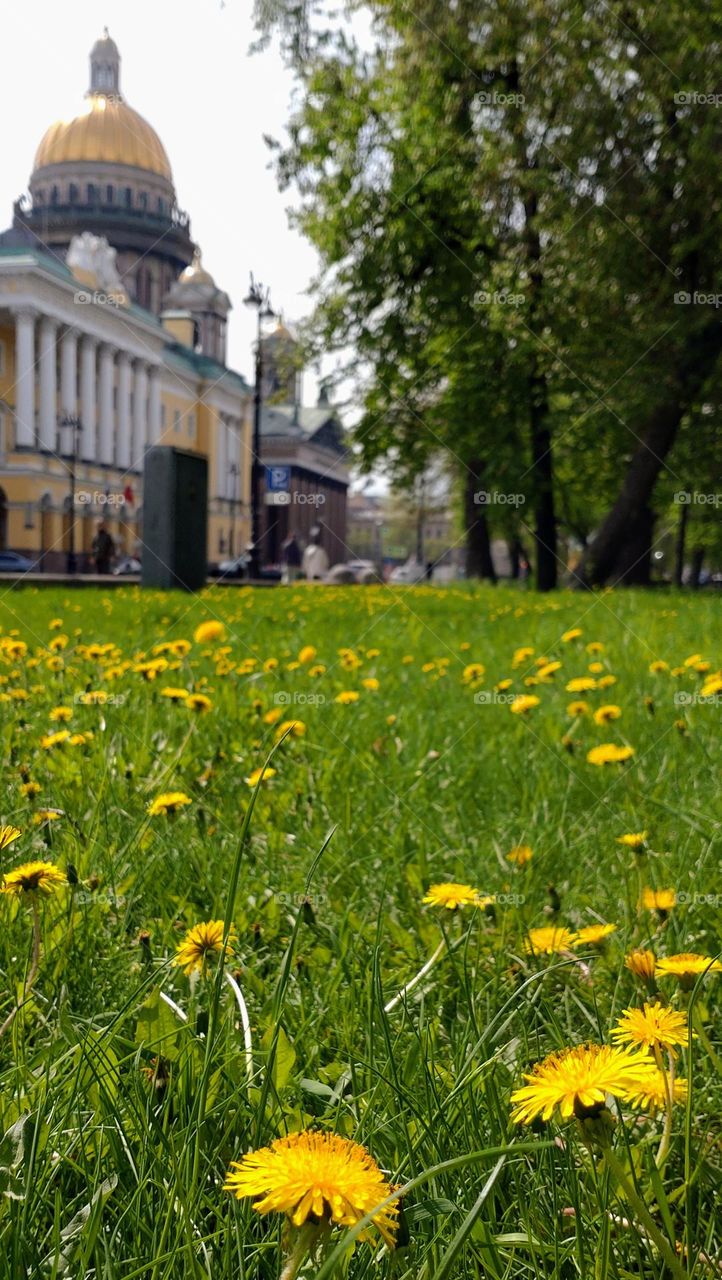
column 112, row 339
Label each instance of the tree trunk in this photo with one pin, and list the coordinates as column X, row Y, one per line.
column 479, row 563
column 616, row 551
column 681, row 539
column 696, row 567
column 545, row 525
column 514, row 549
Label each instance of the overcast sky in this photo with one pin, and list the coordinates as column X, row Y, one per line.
column 186, row 68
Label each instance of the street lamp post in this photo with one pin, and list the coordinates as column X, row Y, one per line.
column 233, row 469
column 258, row 297
column 74, row 424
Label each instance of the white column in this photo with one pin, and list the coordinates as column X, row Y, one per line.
column 221, row 457
column 154, row 406
column 124, row 426
column 105, row 391
column 69, row 373
column 87, row 397
column 48, row 376
column 140, row 396
column 25, row 379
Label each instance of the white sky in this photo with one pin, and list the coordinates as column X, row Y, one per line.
column 186, row 68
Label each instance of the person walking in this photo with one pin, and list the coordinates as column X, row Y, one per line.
column 103, row 549
column 290, row 559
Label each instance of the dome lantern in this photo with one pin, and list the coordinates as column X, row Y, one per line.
column 105, row 66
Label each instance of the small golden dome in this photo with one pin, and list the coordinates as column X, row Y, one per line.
column 106, row 131
column 196, row 272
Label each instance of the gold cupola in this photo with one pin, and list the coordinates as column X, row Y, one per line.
column 107, row 131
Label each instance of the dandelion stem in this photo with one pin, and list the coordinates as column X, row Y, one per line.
column 668, row 1077
column 425, row 968
column 32, row 972
column 642, row 1213
column 245, row 1022
column 705, row 1041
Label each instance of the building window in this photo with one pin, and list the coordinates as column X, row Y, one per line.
column 192, row 425
column 128, row 197
column 161, row 204
column 143, row 200
column 91, row 193
column 110, row 193
column 72, row 193
column 55, row 196
column 176, row 421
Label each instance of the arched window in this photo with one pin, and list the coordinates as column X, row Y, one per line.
column 128, row 197
column 109, row 193
column 143, row 200
column 55, row 196
column 72, row 193
column 91, row 193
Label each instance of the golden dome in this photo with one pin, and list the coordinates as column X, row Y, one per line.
column 196, row 272
column 106, row 131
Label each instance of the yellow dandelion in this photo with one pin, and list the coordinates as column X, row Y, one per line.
column 609, row 753
column 30, row 788
column 548, row 940
column 307, row 654
column 604, row 682
column 592, row 934
column 603, row 715
column 9, row 834
column 658, row 666
column 33, row 877
column 51, row 740
column 520, row 855
column 61, row 714
column 260, row 775
column 200, row 942
column 594, row 646
column 524, row 702
column 686, row 967
column 652, row 1094
column 577, row 1081
column 580, row 684
column 347, row 696
column 168, row 802
column 451, row 895
column 521, row 656
column 199, row 702
column 656, row 1026
column 372, row 684
column 46, row 815
column 293, row 728
column 578, row 708
column 314, row 1175
column 572, row 634
column 641, row 963
column 658, row 899
column 633, row 839
column 209, row 631
column 174, row 695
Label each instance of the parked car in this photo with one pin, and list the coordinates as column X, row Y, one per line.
column 236, row 568
column 13, row 562
column 127, row 564
column 410, row 572
column 364, row 570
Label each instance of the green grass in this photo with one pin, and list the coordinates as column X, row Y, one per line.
column 107, row 1171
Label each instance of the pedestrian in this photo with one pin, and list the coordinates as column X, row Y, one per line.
column 103, row 549
column 290, row 559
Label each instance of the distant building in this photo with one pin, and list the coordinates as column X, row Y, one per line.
column 305, row 455
column 109, row 320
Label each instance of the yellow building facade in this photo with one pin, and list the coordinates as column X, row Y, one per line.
column 112, row 340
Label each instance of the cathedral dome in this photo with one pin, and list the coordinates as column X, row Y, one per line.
column 106, row 131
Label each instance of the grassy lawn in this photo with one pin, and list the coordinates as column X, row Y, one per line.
column 129, row 1086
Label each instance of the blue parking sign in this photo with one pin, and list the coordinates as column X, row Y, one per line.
column 278, row 479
